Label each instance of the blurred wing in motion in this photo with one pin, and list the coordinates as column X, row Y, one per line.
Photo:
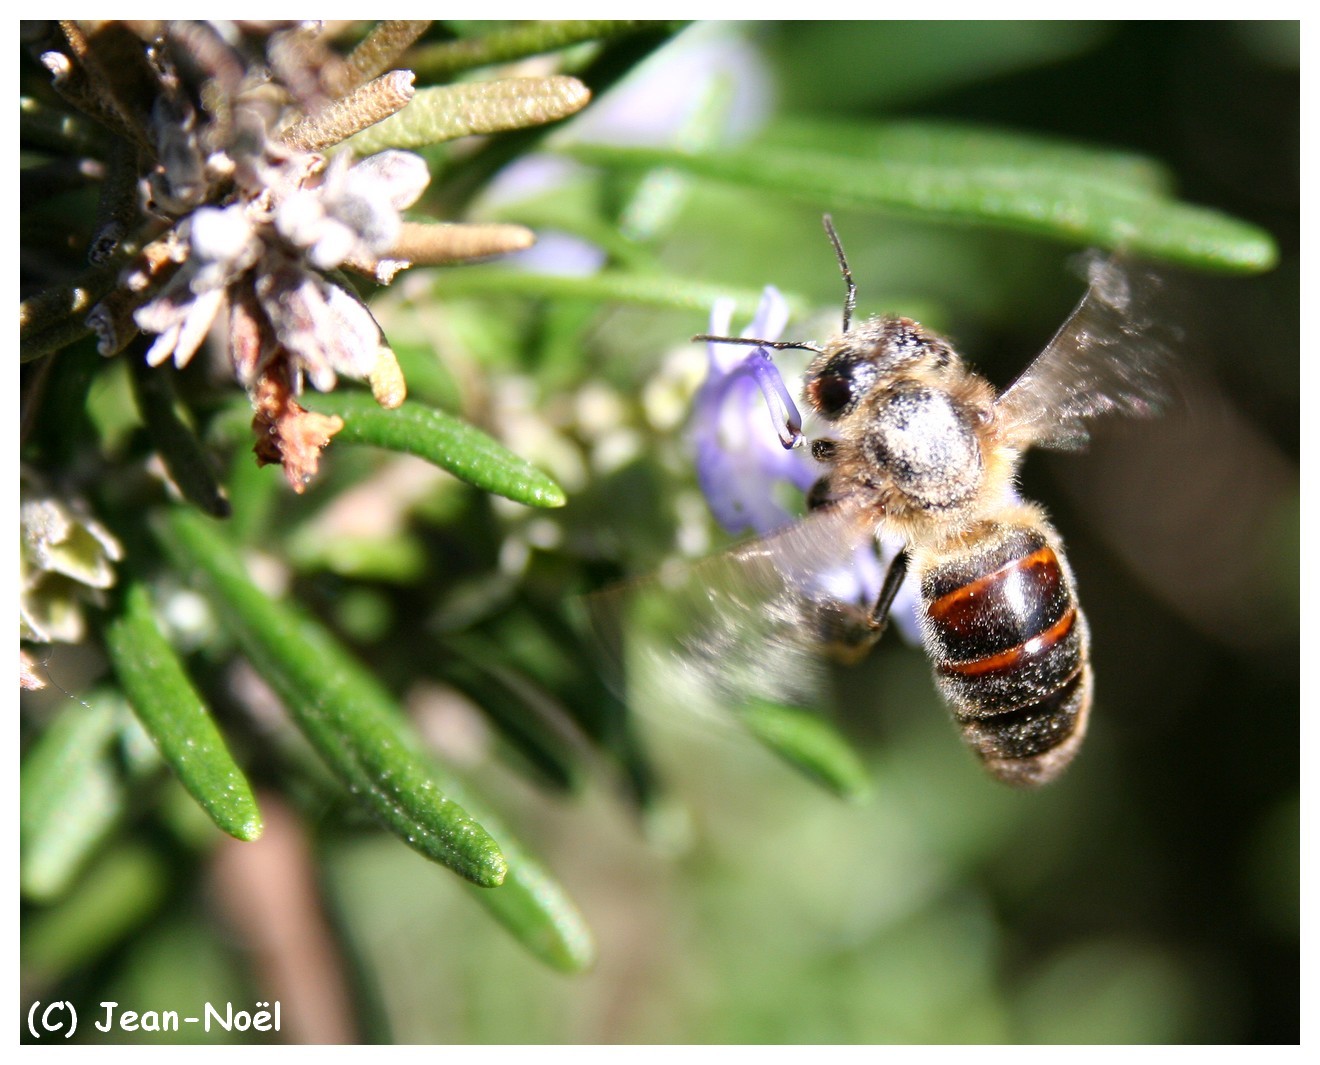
column 1112, row 356
column 719, row 635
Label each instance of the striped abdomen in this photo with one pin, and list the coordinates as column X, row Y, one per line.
column 1010, row 649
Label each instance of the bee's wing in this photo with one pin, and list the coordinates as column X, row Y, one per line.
column 721, row 633
column 1112, row 356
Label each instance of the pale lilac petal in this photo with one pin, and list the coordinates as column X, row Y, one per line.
column 163, row 346
column 197, row 325
column 656, row 104
column 299, row 217
column 783, row 411
column 355, row 331
column 560, row 254
column 740, row 459
column 364, row 206
column 857, row 583
column 402, row 176
column 770, row 318
column 291, row 302
column 224, row 236
column 170, row 306
column 721, row 320
column 335, row 243
column 180, row 318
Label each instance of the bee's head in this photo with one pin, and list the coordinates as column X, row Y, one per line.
column 862, row 359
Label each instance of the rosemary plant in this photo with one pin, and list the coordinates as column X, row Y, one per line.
column 355, row 367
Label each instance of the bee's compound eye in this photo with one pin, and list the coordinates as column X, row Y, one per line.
column 840, row 384
column 833, row 394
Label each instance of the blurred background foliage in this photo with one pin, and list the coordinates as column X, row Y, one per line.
column 1150, row 896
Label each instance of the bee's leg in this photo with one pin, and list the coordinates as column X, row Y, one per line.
column 820, row 495
column 848, row 631
column 893, row 581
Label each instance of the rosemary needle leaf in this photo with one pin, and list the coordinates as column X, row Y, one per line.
column 177, row 720
column 341, row 708
column 444, row 440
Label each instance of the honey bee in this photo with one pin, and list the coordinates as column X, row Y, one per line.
column 921, row 448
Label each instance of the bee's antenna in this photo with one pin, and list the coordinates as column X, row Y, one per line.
column 777, row 345
column 850, row 300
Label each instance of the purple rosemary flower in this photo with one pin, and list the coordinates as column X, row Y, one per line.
column 743, row 462
column 740, row 459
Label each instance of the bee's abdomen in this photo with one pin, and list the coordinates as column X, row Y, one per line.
column 1010, row 648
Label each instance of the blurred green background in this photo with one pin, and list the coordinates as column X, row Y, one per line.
column 1149, row 896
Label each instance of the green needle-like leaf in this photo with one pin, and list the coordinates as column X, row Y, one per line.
column 70, row 796
column 57, row 316
column 949, row 144
column 445, row 112
column 442, row 439
column 119, row 892
column 177, row 720
column 808, row 744
column 1051, row 194
column 436, row 62
column 357, row 728
column 341, row 708
column 537, row 911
